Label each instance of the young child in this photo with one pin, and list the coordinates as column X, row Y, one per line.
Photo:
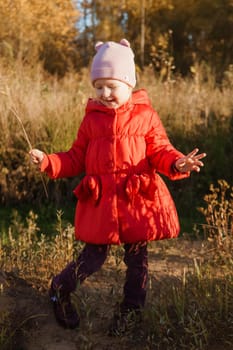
column 121, row 146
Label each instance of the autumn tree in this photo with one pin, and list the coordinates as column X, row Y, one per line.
column 201, row 32
column 168, row 34
column 113, row 20
column 100, row 21
column 39, row 29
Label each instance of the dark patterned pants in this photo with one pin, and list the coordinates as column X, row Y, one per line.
column 92, row 258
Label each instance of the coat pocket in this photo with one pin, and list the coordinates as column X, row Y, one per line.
column 143, row 184
column 89, row 188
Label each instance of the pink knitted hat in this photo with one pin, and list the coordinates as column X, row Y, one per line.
column 114, row 61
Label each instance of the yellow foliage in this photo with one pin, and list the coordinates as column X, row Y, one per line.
column 136, row 6
column 27, row 25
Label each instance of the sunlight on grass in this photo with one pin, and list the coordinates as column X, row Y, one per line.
column 52, row 109
column 34, row 256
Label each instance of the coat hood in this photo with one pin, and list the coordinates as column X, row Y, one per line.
column 138, row 97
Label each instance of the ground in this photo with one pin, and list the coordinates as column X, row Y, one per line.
column 34, row 326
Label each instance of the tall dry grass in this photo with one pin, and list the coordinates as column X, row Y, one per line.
column 196, row 111
column 187, row 103
column 52, row 108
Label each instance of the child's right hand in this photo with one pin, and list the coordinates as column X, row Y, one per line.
column 36, row 156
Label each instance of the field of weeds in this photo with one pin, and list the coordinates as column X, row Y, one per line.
column 45, row 112
column 190, row 291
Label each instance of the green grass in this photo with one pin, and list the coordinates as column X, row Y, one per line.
column 46, row 216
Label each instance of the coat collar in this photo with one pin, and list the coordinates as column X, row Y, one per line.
column 138, row 97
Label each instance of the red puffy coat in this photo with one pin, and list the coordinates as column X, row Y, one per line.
column 122, row 199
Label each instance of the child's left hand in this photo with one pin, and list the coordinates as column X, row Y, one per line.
column 191, row 162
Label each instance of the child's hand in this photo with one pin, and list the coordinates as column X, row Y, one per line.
column 36, row 156
column 191, row 162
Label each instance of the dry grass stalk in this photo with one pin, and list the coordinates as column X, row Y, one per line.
column 15, row 112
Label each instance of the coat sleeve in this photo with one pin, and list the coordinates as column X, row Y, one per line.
column 69, row 163
column 161, row 153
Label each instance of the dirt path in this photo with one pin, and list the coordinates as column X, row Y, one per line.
column 36, row 328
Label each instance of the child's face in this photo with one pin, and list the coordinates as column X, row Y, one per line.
column 112, row 93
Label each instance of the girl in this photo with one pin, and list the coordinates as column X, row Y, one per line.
column 121, row 146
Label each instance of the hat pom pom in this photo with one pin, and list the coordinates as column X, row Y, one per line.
column 125, row 42
column 98, row 45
